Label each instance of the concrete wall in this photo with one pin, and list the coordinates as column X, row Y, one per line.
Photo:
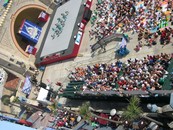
column 49, row 3
column 12, row 63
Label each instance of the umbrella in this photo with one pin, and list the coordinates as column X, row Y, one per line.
column 6, row 1
column 61, row 123
column 149, row 106
column 79, row 118
column 113, row 112
column 152, row 107
column 1, row 21
column 102, row 121
column 5, row 13
column 93, row 124
column 3, row 17
column 12, row 98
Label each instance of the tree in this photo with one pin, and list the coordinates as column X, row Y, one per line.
column 5, row 99
column 133, row 111
column 84, row 111
column 53, row 107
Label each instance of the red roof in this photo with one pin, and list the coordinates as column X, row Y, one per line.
column 12, row 82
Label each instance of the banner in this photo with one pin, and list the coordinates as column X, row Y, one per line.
column 30, row 31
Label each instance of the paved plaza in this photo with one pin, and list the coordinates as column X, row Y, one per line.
column 60, row 71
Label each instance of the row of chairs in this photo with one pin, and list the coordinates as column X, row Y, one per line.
column 71, row 88
column 74, row 86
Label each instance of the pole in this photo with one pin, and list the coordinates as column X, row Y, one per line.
column 145, row 115
column 150, row 119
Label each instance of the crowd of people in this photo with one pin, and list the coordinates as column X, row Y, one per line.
column 144, row 74
column 163, row 36
column 65, row 119
column 137, row 15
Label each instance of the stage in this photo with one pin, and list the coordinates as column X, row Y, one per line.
column 63, row 37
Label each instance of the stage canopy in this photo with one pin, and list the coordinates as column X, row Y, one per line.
column 61, row 29
column 30, row 31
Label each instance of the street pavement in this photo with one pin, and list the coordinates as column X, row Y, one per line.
column 40, row 120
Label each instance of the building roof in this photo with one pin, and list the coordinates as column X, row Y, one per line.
column 61, row 42
column 5, row 125
column 12, row 82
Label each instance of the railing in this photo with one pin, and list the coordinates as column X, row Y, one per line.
column 107, row 38
column 103, row 42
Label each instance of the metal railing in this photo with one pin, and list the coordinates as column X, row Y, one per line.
column 101, row 42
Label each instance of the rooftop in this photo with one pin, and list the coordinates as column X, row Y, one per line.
column 12, row 82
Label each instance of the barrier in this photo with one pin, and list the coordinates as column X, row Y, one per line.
column 106, row 40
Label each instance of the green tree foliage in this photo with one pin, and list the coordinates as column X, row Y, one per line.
column 84, row 111
column 133, row 110
column 5, row 99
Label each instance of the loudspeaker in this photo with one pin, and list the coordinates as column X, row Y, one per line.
column 87, row 14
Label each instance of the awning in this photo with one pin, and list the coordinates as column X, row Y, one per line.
column 27, row 86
